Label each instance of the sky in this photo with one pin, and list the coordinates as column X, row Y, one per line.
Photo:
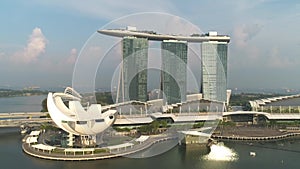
column 41, row 40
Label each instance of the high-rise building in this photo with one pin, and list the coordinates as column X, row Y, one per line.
column 174, row 73
column 134, row 71
column 214, row 70
column 174, row 70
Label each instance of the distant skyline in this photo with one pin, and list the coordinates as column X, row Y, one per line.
column 40, row 40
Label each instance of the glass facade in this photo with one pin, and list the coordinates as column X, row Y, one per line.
column 134, row 74
column 214, row 70
column 174, row 70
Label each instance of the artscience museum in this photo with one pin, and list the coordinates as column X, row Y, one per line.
column 68, row 114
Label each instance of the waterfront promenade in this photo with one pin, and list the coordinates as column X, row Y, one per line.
column 251, row 138
column 253, row 133
column 84, row 154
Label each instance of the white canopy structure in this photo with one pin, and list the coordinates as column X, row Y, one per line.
column 44, row 147
column 35, row 133
column 30, row 140
column 119, row 146
column 74, row 118
column 142, row 139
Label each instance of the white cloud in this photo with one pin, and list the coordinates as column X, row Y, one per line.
column 278, row 60
column 244, row 33
column 2, row 54
column 243, row 5
column 73, row 55
column 36, row 45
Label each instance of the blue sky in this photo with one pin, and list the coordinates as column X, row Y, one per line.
column 40, row 40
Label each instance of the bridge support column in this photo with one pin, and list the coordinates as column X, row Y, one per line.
column 255, row 119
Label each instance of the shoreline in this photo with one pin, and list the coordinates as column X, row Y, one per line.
column 250, row 133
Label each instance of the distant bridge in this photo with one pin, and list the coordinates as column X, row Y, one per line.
column 23, row 115
column 18, row 118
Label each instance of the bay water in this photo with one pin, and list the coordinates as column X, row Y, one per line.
column 283, row 154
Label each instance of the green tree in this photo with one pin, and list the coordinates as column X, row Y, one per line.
column 164, row 124
column 44, row 106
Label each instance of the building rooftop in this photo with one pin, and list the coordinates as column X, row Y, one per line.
column 151, row 35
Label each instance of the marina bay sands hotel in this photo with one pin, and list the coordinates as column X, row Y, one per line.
column 174, row 56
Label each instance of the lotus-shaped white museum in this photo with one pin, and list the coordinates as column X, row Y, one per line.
column 67, row 112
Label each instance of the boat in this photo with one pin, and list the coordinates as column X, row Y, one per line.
column 253, row 154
